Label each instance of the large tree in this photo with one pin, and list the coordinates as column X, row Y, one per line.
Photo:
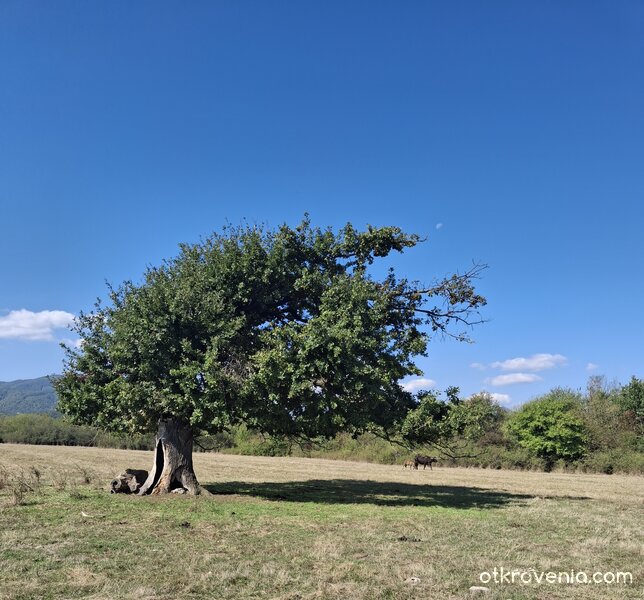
column 288, row 331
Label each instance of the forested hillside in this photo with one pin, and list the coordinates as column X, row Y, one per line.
column 27, row 396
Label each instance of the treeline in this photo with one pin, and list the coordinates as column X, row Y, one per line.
column 599, row 430
column 45, row 429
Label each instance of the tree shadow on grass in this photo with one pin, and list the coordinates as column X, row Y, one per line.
column 350, row 491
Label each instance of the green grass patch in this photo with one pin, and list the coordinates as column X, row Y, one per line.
column 364, row 532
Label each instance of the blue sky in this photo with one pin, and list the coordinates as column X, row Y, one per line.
column 509, row 133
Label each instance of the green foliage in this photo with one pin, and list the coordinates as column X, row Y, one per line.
column 601, row 415
column 364, row 448
column 429, row 422
column 492, row 450
column 631, row 402
column 551, row 427
column 496, row 456
column 286, row 331
column 252, row 443
column 476, row 417
column 617, row 460
column 446, row 423
column 45, row 429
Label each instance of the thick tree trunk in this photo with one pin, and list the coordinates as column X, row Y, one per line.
column 172, row 468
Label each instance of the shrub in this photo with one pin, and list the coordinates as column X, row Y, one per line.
column 551, row 427
column 631, row 401
column 614, row 461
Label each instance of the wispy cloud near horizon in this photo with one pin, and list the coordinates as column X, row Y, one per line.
column 501, row 398
column 34, row 326
column 513, row 378
column 536, row 362
column 416, row 385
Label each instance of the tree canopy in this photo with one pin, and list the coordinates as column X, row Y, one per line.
column 286, row 330
column 551, row 427
column 631, row 401
column 449, row 424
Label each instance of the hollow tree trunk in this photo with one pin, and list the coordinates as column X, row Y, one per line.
column 172, row 468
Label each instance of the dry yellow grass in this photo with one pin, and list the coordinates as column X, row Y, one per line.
column 295, row 528
column 214, row 467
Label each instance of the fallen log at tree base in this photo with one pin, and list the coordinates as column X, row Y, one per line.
column 128, row 482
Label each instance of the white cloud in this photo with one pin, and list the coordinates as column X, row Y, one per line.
column 27, row 325
column 501, row 398
column 439, row 226
column 513, row 378
column 477, row 365
column 591, row 366
column 418, row 384
column 536, row 362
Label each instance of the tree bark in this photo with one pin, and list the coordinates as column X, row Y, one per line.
column 172, row 469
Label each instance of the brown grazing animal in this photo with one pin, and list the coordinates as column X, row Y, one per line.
column 425, row 461
column 128, row 482
column 408, row 463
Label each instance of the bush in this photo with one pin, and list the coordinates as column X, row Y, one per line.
column 247, row 442
column 366, row 448
column 551, row 427
column 614, row 461
column 631, row 402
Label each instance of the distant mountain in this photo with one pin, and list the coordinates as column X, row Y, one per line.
column 27, row 396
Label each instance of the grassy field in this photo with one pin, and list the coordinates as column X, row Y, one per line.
column 294, row 528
